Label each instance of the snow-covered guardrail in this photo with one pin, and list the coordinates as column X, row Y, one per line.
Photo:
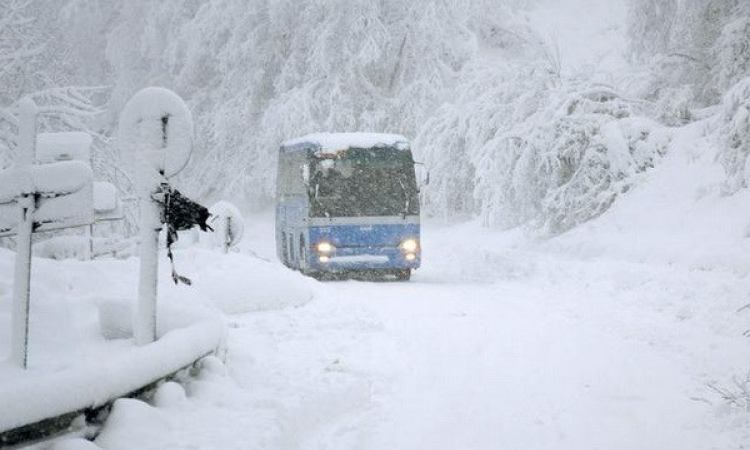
column 156, row 126
column 56, row 403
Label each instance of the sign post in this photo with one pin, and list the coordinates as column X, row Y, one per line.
column 157, row 127
column 228, row 225
column 26, row 204
column 145, row 329
column 37, row 197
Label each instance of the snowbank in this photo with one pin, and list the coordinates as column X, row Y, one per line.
column 92, row 385
column 679, row 214
column 73, row 365
column 237, row 283
column 127, row 415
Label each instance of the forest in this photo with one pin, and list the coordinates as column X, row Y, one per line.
column 581, row 253
column 512, row 129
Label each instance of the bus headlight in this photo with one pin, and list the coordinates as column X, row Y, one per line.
column 409, row 245
column 411, row 257
column 324, row 247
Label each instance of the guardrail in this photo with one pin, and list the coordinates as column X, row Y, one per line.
column 59, row 403
column 156, row 127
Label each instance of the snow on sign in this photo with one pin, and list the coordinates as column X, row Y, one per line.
column 64, row 146
column 63, row 192
column 157, row 127
column 228, row 225
column 107, row 204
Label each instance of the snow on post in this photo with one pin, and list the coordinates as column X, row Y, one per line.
column 22, row 281
column 105, row 197
column 38, row 197
column 156, row 127
column 60, row 174
column 228, row 225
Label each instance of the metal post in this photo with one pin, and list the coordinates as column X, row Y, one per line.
column 26, row 204
column 22, row 283
column 145, row 329
column 227, row 233
column 149, row 108
column 88, row 248
column 91, row 240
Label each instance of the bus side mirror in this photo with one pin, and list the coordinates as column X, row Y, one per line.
column 423, row 175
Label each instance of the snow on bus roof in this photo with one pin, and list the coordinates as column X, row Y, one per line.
column 333, row 142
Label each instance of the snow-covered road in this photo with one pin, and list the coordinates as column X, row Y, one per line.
column 510, row 349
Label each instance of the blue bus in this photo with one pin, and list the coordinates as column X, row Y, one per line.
column 348, row 204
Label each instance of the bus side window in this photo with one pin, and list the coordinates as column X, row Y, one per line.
column 284, row 252
column 289, row 247
column 305, row 173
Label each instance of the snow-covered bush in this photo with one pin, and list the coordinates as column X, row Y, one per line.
column 651, row 25
column 733, row 52
column 491, row 99
column 567, row 163
column 518, row 146
column 735, row 131
column 594, row 161
column 702, row 45
column 737, row 396
column 674, row 105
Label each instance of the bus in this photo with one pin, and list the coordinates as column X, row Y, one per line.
column 348, row 204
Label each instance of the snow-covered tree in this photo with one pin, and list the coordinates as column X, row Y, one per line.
column 595, row 147
column 696, row 44
column 19, row 46
column 568, row 161
column 651, row 25
column 735, row 132
column 34, row 63
column 481, row 96
column 460, row 143
column 257, row 73
column 733, row 50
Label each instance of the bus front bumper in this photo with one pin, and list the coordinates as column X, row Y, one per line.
column 349, row 259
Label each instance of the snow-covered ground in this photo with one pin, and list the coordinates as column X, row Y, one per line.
column 615, row 335
column 498, row 342
column 608, row 337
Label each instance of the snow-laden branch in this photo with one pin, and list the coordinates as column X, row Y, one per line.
column 17, row 41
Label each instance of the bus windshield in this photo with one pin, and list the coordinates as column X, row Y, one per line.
column 364, row 182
